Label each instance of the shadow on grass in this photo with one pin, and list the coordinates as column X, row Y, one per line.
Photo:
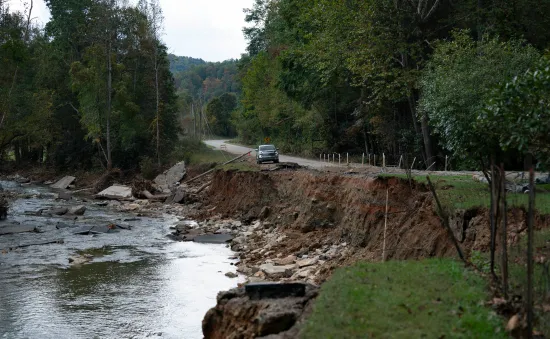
column 435, row 298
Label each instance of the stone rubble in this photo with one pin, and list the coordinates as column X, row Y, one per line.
column 256, row 246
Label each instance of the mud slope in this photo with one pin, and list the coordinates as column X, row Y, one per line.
column 316, row 209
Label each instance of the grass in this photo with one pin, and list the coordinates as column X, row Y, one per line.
column 541, row 285
column 517, row 273
column 435, row 298
column 209, row 155
column 462, row 192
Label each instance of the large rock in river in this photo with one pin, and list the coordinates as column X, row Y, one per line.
column 64, row 182
column 170, row 178
column 116, row 192
column 77, row 210
column 267, row 309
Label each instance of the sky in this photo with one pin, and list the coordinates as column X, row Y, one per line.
column 206, row 29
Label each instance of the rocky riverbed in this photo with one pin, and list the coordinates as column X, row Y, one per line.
column 122, row 278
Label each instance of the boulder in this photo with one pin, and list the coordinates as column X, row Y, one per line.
column 130, row 207
column 77, row 210
column 23, row 180
column 307, row 262
column 285, row 261
column 64, row 182
column 87, row 230
column 239, row 314
column 56, row 211
column 303, row 274
column 116, row 192
column 171, row 177
column 231, row 275
column 64, row 195
column 177, row 197
column 273, row 271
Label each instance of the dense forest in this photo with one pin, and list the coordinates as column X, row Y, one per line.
column 91, row 88
column 419, row 78
column 182, row 63
column 424, row 79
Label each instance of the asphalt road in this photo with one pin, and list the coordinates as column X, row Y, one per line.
column 512, row 176
column 235, row 149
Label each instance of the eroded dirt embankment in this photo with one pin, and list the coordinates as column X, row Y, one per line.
column 312, row 222
column 315, row 209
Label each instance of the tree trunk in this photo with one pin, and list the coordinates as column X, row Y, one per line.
column 415, row 124
column 17, row 151
column 194, row 121
column 200, row 124
column 427, row 139
column 109, row 91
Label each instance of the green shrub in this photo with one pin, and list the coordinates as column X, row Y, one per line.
column 148, row 168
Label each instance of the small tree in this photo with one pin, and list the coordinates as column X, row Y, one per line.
column 518, row 113
column 458, row 82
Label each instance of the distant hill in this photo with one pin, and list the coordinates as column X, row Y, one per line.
column 183, row 63
column 203, row 81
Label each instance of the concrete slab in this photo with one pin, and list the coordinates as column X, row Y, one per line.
column 116, row 192
column 171, row 177
column 64, row 182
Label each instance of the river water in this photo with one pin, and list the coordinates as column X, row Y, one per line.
column 139, row 284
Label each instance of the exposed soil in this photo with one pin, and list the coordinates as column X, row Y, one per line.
column 314, row 209
column 303, row 224
column 314, row 222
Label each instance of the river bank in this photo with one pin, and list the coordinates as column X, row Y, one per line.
column 297, row 225
column 135, row 283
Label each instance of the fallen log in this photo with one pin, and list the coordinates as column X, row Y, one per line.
column 212, row 170
column 203, row 187
column 150, row 196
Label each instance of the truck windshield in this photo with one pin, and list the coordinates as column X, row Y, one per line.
column 267, row 148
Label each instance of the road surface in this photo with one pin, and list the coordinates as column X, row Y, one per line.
column 235, row 149
column 512, row 176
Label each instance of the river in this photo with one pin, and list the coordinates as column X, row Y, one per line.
column 140, row 284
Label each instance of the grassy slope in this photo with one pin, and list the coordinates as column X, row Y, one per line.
column 208, row 155
column 517, row 268
column 434, row 298
column 462, row 192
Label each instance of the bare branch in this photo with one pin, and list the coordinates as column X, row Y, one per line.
column 432, row 10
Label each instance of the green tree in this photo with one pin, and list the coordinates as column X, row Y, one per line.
column 517, row 113
column 218, row 112
column 457, row 83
